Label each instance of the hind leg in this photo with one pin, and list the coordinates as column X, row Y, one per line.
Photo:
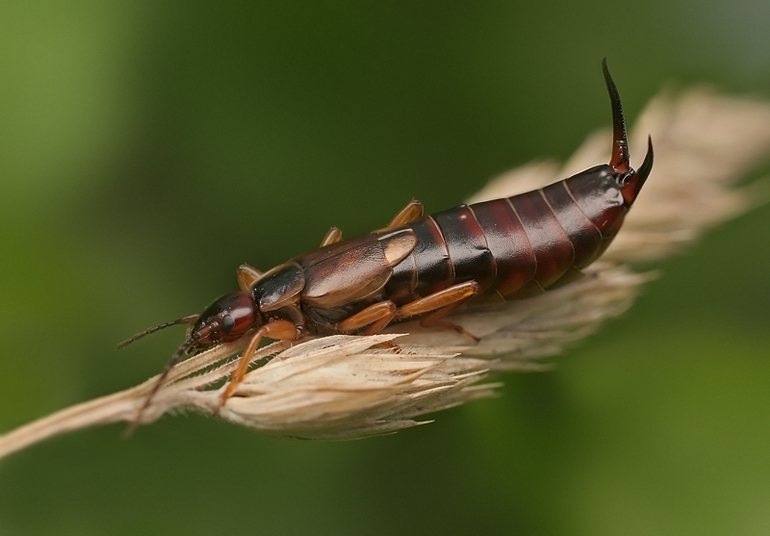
column 374, row 318
column 440, row 304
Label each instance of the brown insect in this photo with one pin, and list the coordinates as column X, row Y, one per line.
column 426, row 265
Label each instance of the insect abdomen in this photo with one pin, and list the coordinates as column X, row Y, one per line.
column 517, row 246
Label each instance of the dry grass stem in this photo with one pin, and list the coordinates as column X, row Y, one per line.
column 344, row 387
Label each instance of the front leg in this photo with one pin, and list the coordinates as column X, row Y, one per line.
column 281, row 330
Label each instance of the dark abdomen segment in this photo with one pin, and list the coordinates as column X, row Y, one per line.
column 467, row 246
column 583, row 234
column 551, row 247
column 517, row 246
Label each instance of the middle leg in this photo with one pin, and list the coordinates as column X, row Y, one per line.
column 411, row 212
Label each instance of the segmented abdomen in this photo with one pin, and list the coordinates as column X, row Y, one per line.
column 517, row 246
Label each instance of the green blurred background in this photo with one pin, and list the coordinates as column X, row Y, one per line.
column 148, row 148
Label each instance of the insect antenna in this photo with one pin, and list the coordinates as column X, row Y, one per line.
column 620, row 157
column 189, row 319
column 189, row 343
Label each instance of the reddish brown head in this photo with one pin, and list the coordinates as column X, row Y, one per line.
column 225, row 320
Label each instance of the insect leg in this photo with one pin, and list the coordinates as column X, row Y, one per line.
column 247, row 276
column 332, row 236
column 439, row 304
column 437, row 300
column 277, row 329
column 412, row 211
column 376, row 316
column 434, row 320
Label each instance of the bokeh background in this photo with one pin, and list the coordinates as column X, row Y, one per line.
column 148, row 148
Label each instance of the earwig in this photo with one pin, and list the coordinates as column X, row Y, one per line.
column 426, row 266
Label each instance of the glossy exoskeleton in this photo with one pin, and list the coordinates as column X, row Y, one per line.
column 427, row 265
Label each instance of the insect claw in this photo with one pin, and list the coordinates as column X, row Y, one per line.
column 636, row 179
column 620, row 157
column 646, row 167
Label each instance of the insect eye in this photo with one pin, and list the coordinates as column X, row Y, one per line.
column 227, row 324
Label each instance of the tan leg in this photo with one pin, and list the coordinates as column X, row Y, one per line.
column 412, row 211
column 434, row 320
column 247, row 276
column 438, row 300
column 277, row 329
column 332, row 236
column 440, row 304
column 376, row 316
